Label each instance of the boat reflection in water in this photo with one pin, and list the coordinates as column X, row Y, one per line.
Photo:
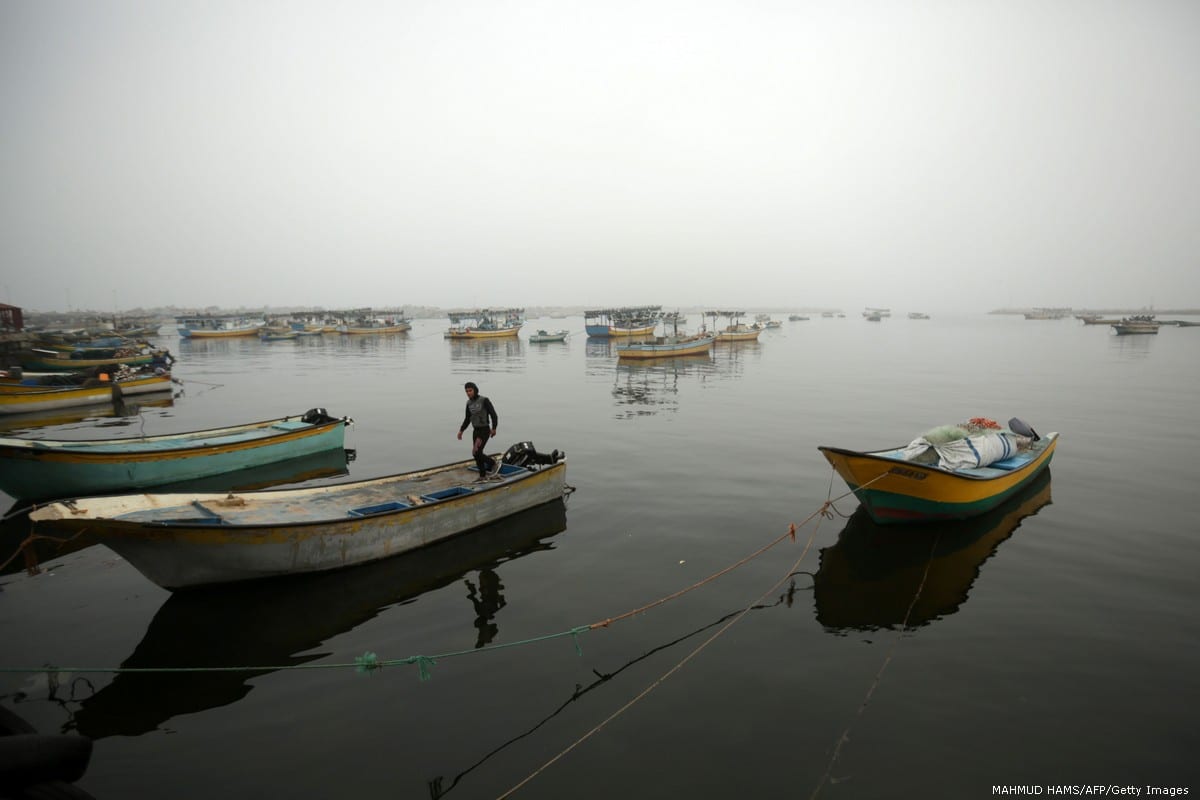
column 642, row 388
column 867, row 580
column 119, row 413
column 282, row 621
column 15, row 529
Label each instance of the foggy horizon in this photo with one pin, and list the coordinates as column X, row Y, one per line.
column 922, row 157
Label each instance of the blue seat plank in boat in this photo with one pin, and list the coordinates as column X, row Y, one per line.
column 444, row 494
column 1012, row 462
column 379, row 508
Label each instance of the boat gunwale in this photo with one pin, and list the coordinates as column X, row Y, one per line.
column 115, row 526
column 84, row 447
column 872, row 455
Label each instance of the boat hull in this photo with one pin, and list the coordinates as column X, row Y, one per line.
column 738, row 336
column 616, row 332
column 483, row 334
column 33, row 469
column 53, row 364
column 897, row 492
column 1133, row 330
column 646, row 350
column 229, row 333
column 234, row 543
column 27, row 399
column 357, row 331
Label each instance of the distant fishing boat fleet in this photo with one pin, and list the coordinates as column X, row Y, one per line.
column 181, row 538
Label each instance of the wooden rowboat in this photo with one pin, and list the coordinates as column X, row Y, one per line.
column 671, row 344
column 895, row 490
column 42, row 468
column 548, row 336
column 667, row 347
column 19, row 399
column 187, row 539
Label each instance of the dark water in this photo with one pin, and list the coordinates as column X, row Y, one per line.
column 1056, row 641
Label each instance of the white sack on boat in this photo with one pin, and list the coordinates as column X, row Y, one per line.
column 970, row 451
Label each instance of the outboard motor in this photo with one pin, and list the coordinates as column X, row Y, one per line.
column 1022, row 428
column 524, row 454
column 520, row 454
column 315, row 416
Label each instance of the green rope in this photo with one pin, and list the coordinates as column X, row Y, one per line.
column 366, row 663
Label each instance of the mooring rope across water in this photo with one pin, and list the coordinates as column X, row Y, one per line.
column 370, row 661
column 845, row 736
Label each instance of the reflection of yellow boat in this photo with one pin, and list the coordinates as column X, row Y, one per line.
column 870, row 577
column 49, row 419
column 895, row 490
column 290, row 621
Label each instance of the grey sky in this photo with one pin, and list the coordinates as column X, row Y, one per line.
column 928, row 155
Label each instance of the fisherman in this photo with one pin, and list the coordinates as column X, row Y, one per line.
column 481, row 416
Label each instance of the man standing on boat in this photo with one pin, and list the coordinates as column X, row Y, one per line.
column 480, row 412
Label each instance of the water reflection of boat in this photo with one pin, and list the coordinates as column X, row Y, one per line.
column 867, row 580
column 125, row 409
column 652, row 385
column 282, row 622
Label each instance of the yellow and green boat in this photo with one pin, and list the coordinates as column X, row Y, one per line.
column 896, row 490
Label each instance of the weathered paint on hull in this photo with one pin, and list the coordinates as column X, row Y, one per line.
column 198, row 554
column 50, row 399
column 901, row 492
column 33, row 474
column 600, row 331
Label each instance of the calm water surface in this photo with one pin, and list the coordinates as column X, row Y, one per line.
column 1053, row 642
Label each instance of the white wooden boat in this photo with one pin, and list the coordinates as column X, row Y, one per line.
column 190, row 539
column 670, row 345
column 549, row 336
column 1140, row 323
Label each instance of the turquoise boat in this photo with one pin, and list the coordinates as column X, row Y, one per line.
column 39, row 469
